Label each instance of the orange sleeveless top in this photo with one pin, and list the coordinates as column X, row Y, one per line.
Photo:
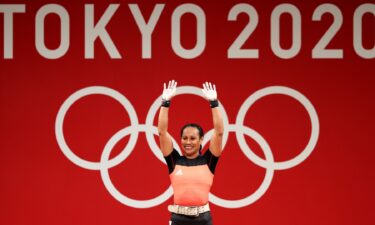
column 191, row 179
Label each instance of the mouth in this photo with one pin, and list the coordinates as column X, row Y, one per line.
column 188, row 147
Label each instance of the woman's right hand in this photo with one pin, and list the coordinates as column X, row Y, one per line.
column 209, row 91
column 169, row 91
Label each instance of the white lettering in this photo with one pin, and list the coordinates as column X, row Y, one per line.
column 94, row 31
column 64, row 32
column 146, row 29
column 8, row 11
column 176, row 31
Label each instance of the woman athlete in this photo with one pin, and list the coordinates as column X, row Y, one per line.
column 192, row 174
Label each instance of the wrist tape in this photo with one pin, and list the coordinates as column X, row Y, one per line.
column 214, row 103
column 166, row 103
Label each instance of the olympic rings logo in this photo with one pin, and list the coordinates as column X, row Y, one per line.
column 150, row 130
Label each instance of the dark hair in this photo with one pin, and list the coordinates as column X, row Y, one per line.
column 199, row 128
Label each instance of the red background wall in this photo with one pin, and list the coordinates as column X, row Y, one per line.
column 39, row 185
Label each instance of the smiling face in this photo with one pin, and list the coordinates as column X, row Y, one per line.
column 191, row 142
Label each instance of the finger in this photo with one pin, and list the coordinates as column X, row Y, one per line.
column 210, row 86
column 207, row 87
column 214, row 87
column 169, row 84
column 205, row 93
column 175, row 85
column 164, row 86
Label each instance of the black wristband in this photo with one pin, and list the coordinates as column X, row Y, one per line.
column 166, row 103
column 214, row 103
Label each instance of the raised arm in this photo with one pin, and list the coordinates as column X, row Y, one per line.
column 209, row 91
column 165, row 138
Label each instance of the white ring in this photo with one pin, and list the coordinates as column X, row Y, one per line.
column 156, row 105
column 266, row 181
column 314, row 127
column 107, row 180
column 60, row 120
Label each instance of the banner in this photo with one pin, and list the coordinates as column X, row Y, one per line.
column 80, row 92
